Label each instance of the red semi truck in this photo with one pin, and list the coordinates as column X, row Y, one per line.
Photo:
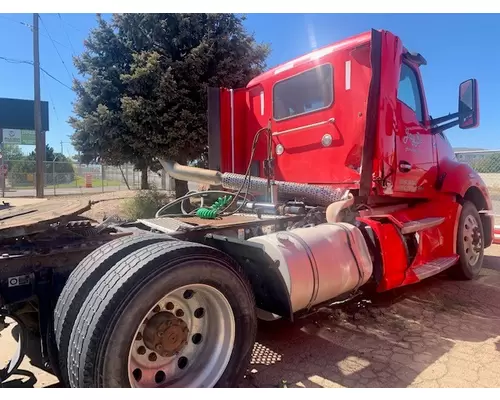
column 333, row 178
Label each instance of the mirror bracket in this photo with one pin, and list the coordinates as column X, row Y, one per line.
column 467, row 116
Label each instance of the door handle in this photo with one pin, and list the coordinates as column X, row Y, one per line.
column 404, row 166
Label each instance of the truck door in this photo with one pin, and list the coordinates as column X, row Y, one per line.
column 415, row 156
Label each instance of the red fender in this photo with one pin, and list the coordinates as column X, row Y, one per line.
column 460, row 178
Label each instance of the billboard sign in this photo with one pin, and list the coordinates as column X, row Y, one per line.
column 19, row 136
column 20, row 114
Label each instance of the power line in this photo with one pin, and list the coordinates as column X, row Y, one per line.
column 13, row 61
column 51, row 99
column 70, row 25
column 57, row 51
column 57, row 80
column 17, row 22
column 67, row 36
column 26, row 25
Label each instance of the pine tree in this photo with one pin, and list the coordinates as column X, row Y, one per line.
column 145, row 96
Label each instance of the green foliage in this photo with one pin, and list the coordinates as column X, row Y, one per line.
column 489, row 164
column 145, row 204
column 99, row 131
column 12, row 152
column 22, row 166
column 145, row 93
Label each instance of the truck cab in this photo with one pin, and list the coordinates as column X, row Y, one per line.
column 350, row 115
column 353, row 116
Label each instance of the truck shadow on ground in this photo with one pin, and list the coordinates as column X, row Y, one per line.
column 24, row 376
column 438, row 333
column 23, row 379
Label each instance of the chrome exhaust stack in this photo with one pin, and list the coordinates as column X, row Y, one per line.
column 323, row 196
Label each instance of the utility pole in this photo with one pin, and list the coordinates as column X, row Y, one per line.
column 39, row 136
column 61, row 147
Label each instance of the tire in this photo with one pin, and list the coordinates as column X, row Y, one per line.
column 470, row 232
column 106, row 328
column 81, row 281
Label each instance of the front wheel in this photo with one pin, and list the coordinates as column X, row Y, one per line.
column 470, row 243
column 171, row 314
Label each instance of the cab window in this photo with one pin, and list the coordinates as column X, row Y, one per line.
column 304, row 93
column 409, row 91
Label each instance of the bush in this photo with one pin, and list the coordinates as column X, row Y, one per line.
column 145, row 204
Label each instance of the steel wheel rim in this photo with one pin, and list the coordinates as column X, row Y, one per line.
column 209, row 320
column 472, row 240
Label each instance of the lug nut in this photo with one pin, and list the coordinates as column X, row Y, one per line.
column 159, row 347
column 160, row 333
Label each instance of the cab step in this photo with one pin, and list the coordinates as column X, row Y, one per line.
column 435, row 267
column 421, row 224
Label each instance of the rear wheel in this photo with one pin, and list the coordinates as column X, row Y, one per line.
column 168, row 315
column 81, row 281
column 470, row 243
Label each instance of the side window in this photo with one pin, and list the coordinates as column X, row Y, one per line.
column 304, row 93
column 409, row 91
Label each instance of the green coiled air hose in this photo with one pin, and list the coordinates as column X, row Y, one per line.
column 213, row 211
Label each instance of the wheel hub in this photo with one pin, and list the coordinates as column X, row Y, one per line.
column 472, row 240
column 166, row 334
column 476, row 236
column 185, row 340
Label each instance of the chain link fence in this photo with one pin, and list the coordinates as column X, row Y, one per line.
column 487, row 165
column 66, row 178
column 18, row 178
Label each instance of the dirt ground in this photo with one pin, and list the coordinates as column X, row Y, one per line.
column 108, row 204
column 439, row 333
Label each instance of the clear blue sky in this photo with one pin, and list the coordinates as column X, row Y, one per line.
column 456, row 47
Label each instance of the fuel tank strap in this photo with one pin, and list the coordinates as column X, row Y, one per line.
column 314, row 267
column 351, row 247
